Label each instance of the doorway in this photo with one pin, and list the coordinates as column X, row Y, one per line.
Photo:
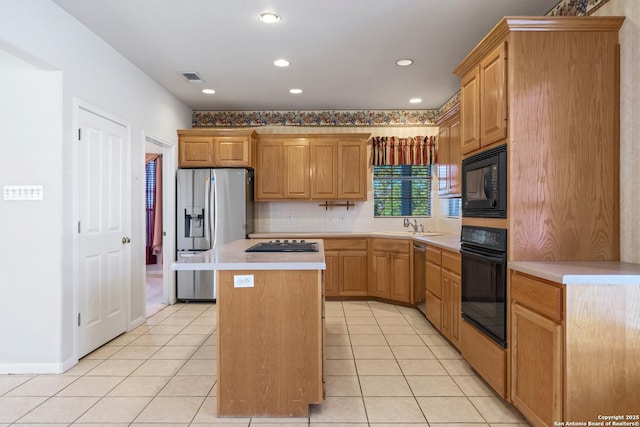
column 159, row 277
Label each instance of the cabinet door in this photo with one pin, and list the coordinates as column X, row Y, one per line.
column 434, row 310
column 196, row 151
column 296, row 170
column 332, row 274
column 469, row 111
column 324, row 170
column 493, row 103
column 444, row 147
column 233, row 151
column 353, row 277
column 400, row 277
column 455, row 307
column 455, row 161
column 380, row 283
column 434, row 278
column 446, row 304
column 269, row 171
column 352, row 168
column 536, row 366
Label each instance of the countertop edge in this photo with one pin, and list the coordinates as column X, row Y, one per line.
column 580, row 272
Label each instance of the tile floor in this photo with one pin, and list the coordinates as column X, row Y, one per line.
column 386, row 366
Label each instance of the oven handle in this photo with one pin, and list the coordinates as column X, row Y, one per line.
column 498, row 259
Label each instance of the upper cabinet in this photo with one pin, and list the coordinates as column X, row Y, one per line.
column 449, row 157
column 548, row 88
column 201, row 148
column 312, row 167
column 484, row 103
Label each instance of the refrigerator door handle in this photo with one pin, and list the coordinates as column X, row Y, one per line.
column 207, row 227
column 214, row 212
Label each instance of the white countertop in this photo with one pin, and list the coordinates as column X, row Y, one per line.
column 580, row 272
column 445, row 241
column 232, row 256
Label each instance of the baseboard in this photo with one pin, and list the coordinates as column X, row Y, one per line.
column 31, row 368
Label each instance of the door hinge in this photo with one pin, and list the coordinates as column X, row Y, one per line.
column 79, row 134
column 78, row 227
column 78, row 319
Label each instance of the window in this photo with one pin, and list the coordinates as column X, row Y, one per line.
column 454, row 207
column 402, row 190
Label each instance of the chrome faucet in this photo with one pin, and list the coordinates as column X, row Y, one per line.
column 407, row 223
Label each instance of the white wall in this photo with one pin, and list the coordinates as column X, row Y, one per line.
column 629, row 125
column 90, row 71
column 296, row 216
column 30, row 246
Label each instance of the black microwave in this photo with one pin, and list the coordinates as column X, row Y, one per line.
column 484, row 184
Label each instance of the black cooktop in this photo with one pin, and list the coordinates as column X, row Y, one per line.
column 284, row 246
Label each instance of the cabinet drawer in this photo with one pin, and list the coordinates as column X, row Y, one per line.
column 451, row 262
column 541, row 297
column 391, row 245
column 434, row 310
column 434, row 255
column 345, row 244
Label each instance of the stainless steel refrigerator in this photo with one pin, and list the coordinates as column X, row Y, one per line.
column 215, row 206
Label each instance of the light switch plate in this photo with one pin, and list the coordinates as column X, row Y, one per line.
column 22, row 192
column 243, row 281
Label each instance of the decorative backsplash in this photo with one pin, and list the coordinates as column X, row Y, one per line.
column 346, row 118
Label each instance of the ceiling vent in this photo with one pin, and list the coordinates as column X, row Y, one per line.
column 191, row 76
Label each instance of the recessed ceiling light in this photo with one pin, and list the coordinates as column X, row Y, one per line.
column 415, row 100
column 208, row 91
column 404, row 62
column 281, row 63
column 295, row 91
column 269, row 17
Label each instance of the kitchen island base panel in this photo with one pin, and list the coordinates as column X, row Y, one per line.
column 270, row 343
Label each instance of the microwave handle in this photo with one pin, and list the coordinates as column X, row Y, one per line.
column 488, row 190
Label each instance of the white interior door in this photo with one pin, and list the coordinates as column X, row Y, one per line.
column 103, row 230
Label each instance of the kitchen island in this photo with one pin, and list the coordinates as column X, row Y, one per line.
column 270, row 350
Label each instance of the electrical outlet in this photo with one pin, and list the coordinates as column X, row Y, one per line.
column 22, row 192
column 243, row 281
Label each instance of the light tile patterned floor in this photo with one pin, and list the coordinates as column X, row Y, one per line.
column 386, row 366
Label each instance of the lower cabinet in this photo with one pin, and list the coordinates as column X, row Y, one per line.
column 347, row 267
column 391, row 270
column 443, row 292
column 536, row 349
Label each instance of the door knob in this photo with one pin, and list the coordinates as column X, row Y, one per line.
column 126, row 240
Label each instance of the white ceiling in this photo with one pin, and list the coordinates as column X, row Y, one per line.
column 342, row 52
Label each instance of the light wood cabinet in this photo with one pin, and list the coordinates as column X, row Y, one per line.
column 537, row 348
column 470, row 111
column 392, row 266
column 316, row 167
column 269, row 177
column 449, row 157
column 484, row 103
column 347, row 267
column 216, row 148
column 451, row 296
column 297, row 184
column 560, row 122
column 434, row 286
column 443, row 292
column 272, row 333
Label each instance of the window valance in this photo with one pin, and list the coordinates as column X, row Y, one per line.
column 391, row 150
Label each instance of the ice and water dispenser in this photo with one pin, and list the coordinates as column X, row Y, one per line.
column 193, row 221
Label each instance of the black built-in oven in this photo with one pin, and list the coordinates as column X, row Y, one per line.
column 484, row 184
column 484, row 280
